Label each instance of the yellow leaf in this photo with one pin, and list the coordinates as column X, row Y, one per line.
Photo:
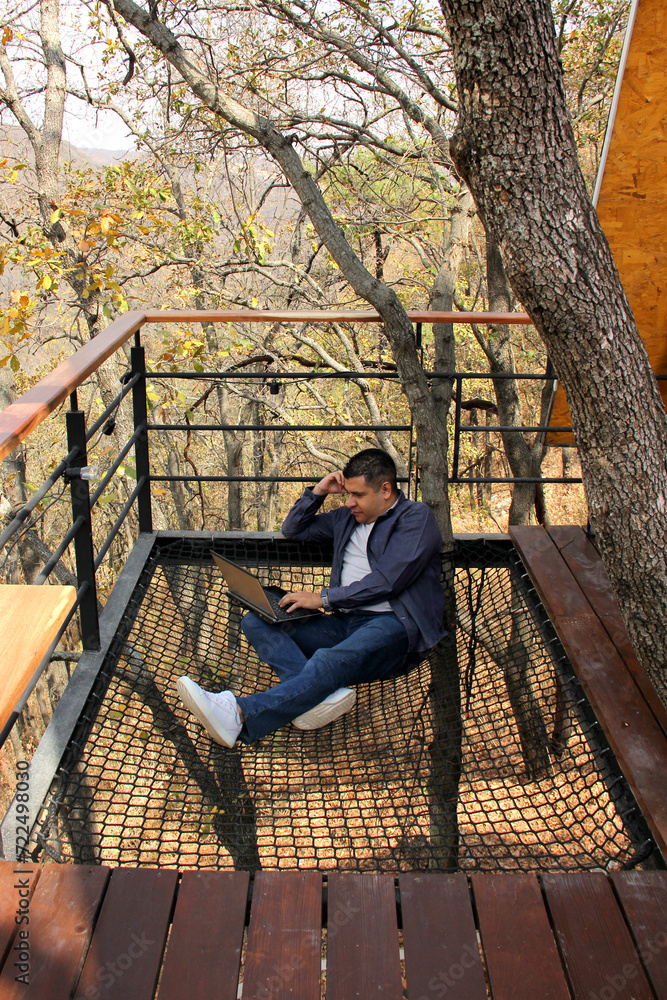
column 24, row 301
column 7, row 36
column 55, row 216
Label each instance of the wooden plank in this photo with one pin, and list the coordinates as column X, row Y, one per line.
column 630, row 726
column 362, row 938
column 598, row 950
column 125, row 953
column 20, row 418
column 643, row 896
column 587, row 567
column 204, row 951
column 633, row 733
column 583, row 561
column 522, row 959
column 440, row 939
column 62, row 912
column 283, row 955
column 632, row 204
column 325, row 316
column 17, row 885
column 549, row 572
column 29, row 621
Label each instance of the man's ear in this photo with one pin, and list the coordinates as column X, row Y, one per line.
column 386, row 489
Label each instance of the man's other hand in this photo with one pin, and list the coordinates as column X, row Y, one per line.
column 333, row 483
column 301, row 599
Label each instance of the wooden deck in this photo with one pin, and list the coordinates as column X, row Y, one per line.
column 573, row 586
column 136, row 934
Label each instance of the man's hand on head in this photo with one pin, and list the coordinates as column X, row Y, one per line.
column 333, row 483
column 301, row 599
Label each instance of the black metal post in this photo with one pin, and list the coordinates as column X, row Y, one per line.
column 141, row 453
column 457, row 430
column 412, row 459
column 83, row 540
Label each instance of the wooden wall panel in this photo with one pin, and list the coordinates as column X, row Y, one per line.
column 632, row 205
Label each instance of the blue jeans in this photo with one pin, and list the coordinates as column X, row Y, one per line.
column 314, row 657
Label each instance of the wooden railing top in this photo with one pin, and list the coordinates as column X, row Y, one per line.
column 325, row 316
column 19, row 419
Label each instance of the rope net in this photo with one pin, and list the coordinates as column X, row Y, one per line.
column 538, row 788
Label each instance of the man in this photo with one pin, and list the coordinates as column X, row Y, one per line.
column 384, row 604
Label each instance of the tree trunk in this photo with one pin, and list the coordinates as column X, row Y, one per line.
column 234, row 441
column 515, row 148
column 524, row 460
column 178, row 492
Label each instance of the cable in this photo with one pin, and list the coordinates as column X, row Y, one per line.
column 31, row 524
column 107, row 430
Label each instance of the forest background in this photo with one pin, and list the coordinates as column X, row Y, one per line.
column 198, row 216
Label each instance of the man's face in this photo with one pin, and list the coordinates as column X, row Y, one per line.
column 365, row 503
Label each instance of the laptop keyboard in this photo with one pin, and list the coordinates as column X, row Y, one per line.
column 274, row 596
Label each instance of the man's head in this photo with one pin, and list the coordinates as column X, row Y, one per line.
column 370, row 481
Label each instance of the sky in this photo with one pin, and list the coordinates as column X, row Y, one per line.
column 89, row 129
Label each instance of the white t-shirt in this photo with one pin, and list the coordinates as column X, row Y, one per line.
column 356, row 564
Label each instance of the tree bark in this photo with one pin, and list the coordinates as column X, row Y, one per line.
column 515, row 148
column 525, row 460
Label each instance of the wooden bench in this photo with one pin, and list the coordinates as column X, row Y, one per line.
column 115, row 934
column 30, row 618
column 573, row 586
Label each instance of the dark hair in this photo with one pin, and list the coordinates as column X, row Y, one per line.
column 376, row 467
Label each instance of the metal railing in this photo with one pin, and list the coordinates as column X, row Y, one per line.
column 18, row 420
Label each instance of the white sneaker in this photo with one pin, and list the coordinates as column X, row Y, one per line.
column 218, row 713
column 337, row 704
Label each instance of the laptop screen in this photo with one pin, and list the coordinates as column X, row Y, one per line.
column 243, row 583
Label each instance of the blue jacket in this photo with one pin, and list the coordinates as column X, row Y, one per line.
column 404, row 556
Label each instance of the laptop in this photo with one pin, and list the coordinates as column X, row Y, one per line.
column 245, row 588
